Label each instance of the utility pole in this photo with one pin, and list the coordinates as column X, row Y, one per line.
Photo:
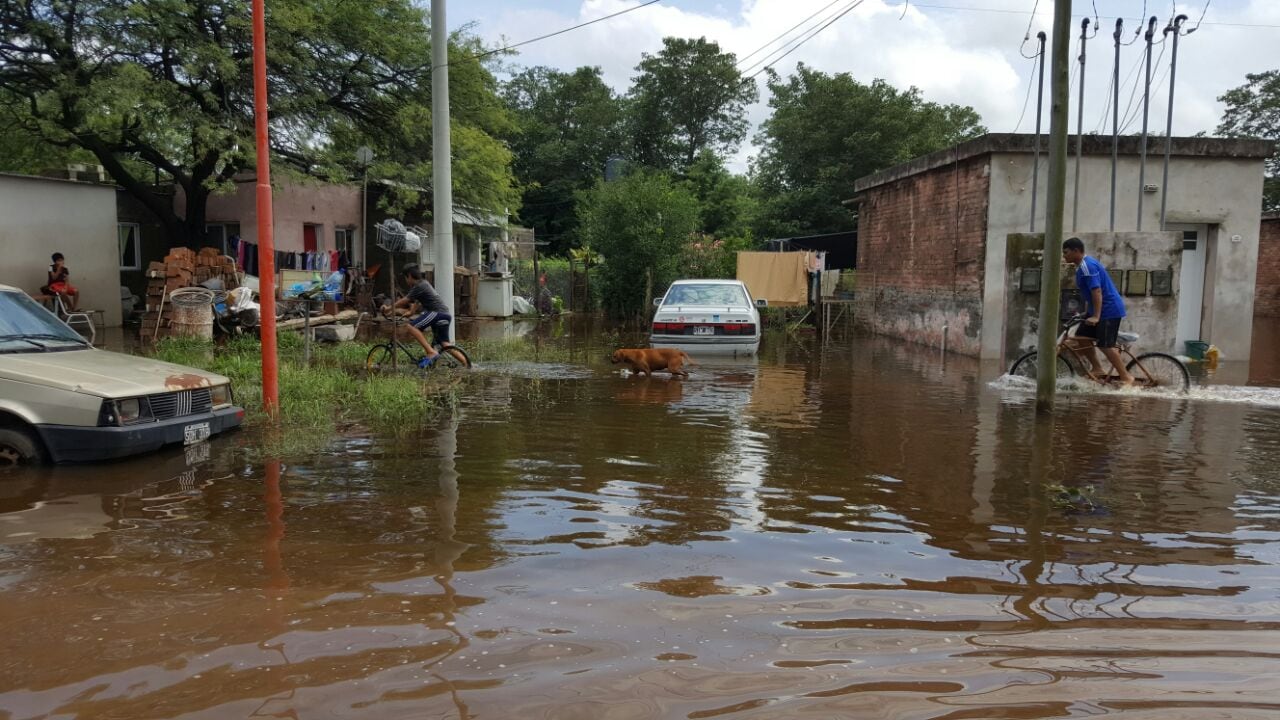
column 1035, row 167
column 1176, row 29
column 266, row 241
column 1051, row 263
column 1146, row 108
column 441, row 167
column 1075, row 200
column 1115, row 121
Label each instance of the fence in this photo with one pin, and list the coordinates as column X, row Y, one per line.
column 577, row 289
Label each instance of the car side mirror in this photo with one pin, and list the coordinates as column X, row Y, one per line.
column 762, row 303
column 657, row 302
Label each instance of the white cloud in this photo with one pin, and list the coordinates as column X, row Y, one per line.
column 960, row 56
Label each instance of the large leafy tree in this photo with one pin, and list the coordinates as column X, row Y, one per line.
column 828, row 130
column 567, row 126
column 641, row 224
column 687, row 98
column 1253, row 110
column 727, row 207
column 166, row 85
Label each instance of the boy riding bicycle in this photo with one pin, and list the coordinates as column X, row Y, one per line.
column 1105, row 310
column 432, row 313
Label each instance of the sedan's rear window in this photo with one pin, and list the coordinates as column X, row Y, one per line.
column 708, row 294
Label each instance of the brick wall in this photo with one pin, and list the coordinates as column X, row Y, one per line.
column 921, row 251
column 1266, row 302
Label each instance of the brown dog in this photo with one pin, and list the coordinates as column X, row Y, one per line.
column 646, row 360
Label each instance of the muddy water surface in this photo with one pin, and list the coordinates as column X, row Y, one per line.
column 857, row 532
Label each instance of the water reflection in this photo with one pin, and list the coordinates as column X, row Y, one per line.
column 849, row 531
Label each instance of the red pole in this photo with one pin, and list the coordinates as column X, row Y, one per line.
column 266, row 243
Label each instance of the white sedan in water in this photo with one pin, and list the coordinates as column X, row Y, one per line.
column 707, row 317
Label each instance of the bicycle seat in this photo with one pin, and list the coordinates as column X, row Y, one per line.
column 1127, row 338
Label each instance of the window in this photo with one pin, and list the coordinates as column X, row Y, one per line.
column 342, row 239
column 219, row 233
column 130, row 238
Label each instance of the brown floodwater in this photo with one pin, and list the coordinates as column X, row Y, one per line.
column 855, row 531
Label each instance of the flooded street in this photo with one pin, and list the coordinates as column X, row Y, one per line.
column 858, row 531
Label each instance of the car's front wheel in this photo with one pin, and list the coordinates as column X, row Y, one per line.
column 19, row 447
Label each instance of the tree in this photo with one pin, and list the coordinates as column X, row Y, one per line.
column 166, row 85
column 567, row 126
column 640, row 224
column 826, row 131
column 726, row 204
column 1253, row 110
column 688, row 98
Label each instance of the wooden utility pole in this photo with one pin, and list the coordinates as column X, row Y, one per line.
column 1051, row 267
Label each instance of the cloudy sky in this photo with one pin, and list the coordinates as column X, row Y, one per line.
column 962, row 51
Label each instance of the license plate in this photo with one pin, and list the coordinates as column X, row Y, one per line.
column 194, row 433
column 703, row 330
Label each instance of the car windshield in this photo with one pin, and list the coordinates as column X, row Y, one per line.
column 25, row 325
column 706, row 294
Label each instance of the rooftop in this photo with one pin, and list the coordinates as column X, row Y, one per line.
column 1093, row 145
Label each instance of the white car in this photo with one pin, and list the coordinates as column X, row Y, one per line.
column 63, row 400
column 707, row 317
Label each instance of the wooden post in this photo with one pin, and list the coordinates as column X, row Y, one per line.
column 1051, row 263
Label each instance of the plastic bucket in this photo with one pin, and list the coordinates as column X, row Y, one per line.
column 1196, row 349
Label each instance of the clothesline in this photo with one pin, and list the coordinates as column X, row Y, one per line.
column 246, row 255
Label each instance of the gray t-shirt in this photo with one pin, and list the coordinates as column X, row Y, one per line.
column 426, row 296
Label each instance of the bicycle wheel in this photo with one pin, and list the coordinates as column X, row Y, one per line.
column 1028, row 366
column 379, row 358
column 453, row 357
column 1160, row 370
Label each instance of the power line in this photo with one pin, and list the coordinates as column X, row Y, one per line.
column 1201, row 20
column 1031, row 80
column 553, row 34
column 1003, row 11
column 786, row 32
column 1103, row 121
column 806, row 38
column 1026, row 37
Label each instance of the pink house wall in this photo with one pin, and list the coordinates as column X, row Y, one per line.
column 293, row 206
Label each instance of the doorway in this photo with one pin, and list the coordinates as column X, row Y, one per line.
column 1191, row 285
column 309, row 233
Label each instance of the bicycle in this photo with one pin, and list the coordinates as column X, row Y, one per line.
column 1149, row 370
column 383, row 355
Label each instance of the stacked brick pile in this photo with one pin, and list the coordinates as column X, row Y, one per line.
column 182, row 267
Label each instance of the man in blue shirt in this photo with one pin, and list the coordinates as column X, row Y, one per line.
column 1104, row 308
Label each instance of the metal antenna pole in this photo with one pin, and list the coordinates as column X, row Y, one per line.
column 1035, row 168
column 442, row 170
column 1115, row 121
column 1176, row 28
column 1051, row 262
column 1146, row 107
column 1075, row 200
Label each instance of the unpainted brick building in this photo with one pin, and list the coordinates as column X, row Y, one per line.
column 932, row 233
column 1266, row 302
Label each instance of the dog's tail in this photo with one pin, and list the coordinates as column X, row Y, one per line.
column 687, row 358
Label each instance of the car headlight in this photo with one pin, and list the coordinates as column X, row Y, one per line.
column 220, row 395
column 128, row 410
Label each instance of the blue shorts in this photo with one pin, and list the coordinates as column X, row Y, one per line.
column 438, row 322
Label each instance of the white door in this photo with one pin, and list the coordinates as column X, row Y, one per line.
column 1191, row 282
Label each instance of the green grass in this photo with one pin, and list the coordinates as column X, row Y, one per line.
column 315, row 400
column 335, row 390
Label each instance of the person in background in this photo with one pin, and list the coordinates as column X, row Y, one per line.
column 58, row 283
